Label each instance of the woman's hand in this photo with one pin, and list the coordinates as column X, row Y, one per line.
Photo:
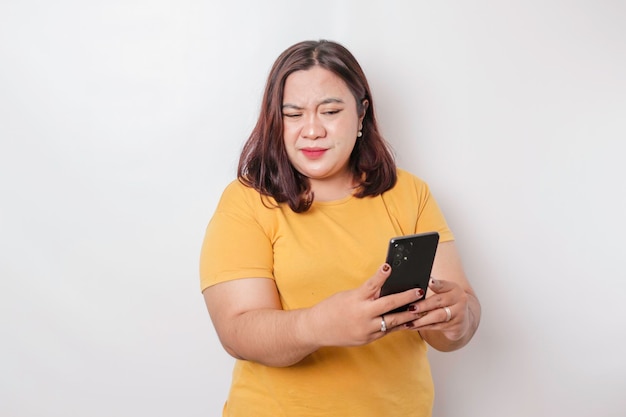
column 446, row 310
column 355, row 317
column 449, row 316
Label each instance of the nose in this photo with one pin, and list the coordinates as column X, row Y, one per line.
column 313, row 128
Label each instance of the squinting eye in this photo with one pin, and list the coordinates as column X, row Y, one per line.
column 292, row 115
column 331, row 112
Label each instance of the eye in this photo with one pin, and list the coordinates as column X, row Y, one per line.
column 331, row 112
column 292, row 115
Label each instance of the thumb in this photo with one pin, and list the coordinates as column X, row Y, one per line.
column 438, row 286
column 372, row 286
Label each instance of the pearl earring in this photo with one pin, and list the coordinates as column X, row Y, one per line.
column 359, row 134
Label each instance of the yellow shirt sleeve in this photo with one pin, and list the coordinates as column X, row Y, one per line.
column 235, row 245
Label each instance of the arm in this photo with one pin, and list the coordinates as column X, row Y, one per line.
column 451, row 289
column 251, row 324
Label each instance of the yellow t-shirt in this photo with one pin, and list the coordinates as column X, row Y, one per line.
column 333, row 247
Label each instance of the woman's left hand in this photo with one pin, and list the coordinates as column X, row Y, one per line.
column 449, row 315
column 446, row 310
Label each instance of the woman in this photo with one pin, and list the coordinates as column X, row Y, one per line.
column 291, row 263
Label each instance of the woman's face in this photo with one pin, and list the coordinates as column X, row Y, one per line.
column 320, row 125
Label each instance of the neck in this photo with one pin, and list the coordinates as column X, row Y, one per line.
column 335, row 189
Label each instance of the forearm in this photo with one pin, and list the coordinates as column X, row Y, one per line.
column 438, row 340
column 271, row 337
column 251, row 324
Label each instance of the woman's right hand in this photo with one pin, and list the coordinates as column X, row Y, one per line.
column 354, row 317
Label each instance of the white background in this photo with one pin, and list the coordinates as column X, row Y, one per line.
column 121, row 122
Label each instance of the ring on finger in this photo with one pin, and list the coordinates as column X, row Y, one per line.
column 448, row 313
column 383, row 324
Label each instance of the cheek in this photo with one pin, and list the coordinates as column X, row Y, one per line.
column 290, row 134
column 289, row 141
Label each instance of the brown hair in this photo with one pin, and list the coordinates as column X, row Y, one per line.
column 264, row 164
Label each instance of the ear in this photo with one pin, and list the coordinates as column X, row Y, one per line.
column 364, row 104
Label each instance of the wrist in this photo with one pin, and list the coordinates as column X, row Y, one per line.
column 307, row 329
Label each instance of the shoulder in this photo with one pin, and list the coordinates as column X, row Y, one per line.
column 236, row 194
column 408, row 182
column 237, row 189
column 410, row 192
column 245, row 204
column 414, row 207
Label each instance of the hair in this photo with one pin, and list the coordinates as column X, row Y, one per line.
column 264, row 164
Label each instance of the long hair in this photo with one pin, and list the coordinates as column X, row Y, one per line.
column 264, row 164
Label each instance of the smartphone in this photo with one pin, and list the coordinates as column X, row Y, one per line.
column 411, row 259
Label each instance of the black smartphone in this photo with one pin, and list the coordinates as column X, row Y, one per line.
column 411, row 259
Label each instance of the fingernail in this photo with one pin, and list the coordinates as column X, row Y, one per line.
column 420, row 292
column 413, row 307
column 409, row 325
column 433, row 281
column 385, row 267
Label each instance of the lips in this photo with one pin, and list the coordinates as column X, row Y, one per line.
column 313, row 153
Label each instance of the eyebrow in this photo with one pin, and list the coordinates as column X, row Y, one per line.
column 325, row 101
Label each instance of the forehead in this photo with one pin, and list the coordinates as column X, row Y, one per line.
column 314, row 83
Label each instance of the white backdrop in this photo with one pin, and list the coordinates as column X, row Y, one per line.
column 121, row 122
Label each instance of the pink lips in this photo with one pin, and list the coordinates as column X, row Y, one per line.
column 314, row 153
